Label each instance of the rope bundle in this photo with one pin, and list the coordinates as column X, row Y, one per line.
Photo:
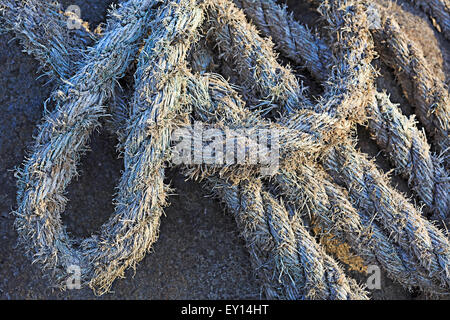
column 323, row 179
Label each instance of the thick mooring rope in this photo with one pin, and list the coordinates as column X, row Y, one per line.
column 380, row 224
column 389, row 204
column 64, row 135
column 157, row 102
column 398, row 136
column 266, row 227
column 296, row 252
column 428, row 95
column 310, row 186
column 410, row 153
column 42, row 29
column 291, row 38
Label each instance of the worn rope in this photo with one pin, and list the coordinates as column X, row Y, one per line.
column 291, row 38
column 159, row 107
column 264, row 222
column 309, row 185
column 310, row 188
column 253, row 57
column 424, row 91
column 41, row 27
column 215, row 101
column 412, row 232
column 373, row 194
column 63, row 136
column 279, row 246
column 436, row 260
column 410, row 153
column 157, row 102
column 398, row 136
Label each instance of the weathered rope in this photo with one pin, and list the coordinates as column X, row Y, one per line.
column 305, row 271
column 291, row 38
column 64, row 134
column 309, row 185
column 42, row 29
column 215, row 101
column 160, row 105
column 398, row 136
column 428, row 95
column 252, row 57
column 433, row 256
column 375, row 196
column 410, row 153
column 104, row 278
column 303, row 268
column 157, row 103
column 439, row 11
column 352, row 72
column 310, row 188
column 370, row 190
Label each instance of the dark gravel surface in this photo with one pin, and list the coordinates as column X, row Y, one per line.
column 199, row 254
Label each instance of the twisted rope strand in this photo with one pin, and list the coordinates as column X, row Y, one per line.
column 253, row 57
column 214, row 100
column 322, row 277
column 293, row 39
column 329, row 205
column 265, row 225
column 63, row 136
column 410, row 153
column 312, row 185
column 395, row 134
column 42, row 30
column 434, row 255
column 427, row 94
column 419, row 237
column 370, row 190
column 142, row 194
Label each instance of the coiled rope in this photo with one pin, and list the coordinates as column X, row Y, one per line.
column 289, row 261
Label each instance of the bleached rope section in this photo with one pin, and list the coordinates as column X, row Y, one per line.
column 41, row 27
column 309, row 186
column 288, row 260
column 371, row 191
column 432, row 255
column 156, row 110
column 352, row 72
column 428, row 95
column 266, row 227
column 409, row 151
column 297, row 141
column 397, row 135
column 291, row 38
column 252, row 57
column 64, row 135
column 311, row 189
